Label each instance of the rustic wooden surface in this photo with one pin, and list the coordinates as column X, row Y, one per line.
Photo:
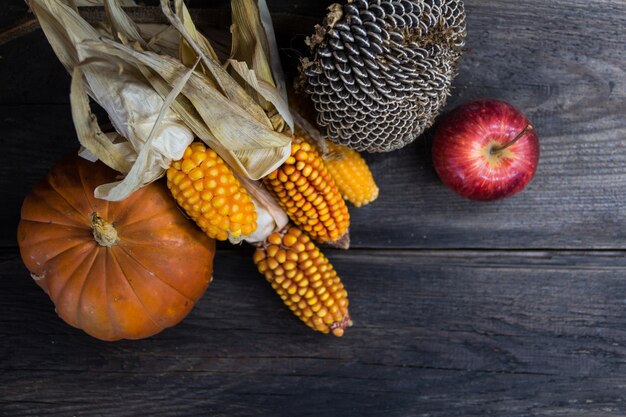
column 514, row 308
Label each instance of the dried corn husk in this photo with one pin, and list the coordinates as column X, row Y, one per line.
column 122, row 27
column 154, row 101
column 89, row 3
column 187, row 54
column 254, row 57
column 162, row 39
column 271, row 218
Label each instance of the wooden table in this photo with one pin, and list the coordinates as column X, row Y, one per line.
column 513, row 308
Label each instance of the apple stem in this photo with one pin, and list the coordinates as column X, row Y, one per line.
column 497, row 149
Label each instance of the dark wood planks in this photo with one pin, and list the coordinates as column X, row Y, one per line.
column 445, row 333
column 561, row 62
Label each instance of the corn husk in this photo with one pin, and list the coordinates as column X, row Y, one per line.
column 162, row 39
column 89, row 133
column 254, row 57
column 271, row 217
column 187, row 52
column 274, row 58
column 90, row 3
column 155, row 102
column 122, row 26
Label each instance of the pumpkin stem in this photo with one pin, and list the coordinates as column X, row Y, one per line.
column 103, row 231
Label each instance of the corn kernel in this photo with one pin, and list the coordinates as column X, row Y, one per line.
column 187, row 166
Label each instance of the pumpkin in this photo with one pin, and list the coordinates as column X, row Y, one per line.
column 117, row 270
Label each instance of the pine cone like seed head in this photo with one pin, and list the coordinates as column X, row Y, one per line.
column 381, row 70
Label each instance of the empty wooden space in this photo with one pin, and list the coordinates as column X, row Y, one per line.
column 513, row 308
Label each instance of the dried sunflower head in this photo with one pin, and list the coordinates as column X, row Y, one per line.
column 380, row 70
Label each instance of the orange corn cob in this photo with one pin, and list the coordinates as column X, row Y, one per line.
column 353, row 177
column 305, row 280
column 306, row 191
column 206, row 188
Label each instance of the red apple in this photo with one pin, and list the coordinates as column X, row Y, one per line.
column 485, row 150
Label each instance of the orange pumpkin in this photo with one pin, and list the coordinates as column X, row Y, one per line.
column 117, row 270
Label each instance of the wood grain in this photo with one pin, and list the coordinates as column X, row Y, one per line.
column 443, row 333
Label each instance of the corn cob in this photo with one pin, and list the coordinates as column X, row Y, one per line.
column 206, row 188
column 353, row 177
column 305, row 280
column 306, row 191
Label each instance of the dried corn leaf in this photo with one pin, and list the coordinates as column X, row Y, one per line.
column 187, row 55
column 226, row 83
column 121, row 23
column 88, row 131
column 162, row 39
column 249, row 42
column 88, row 3
column 257, row 149
column 114, row 138
column 266, row 90
column 253, row 44
column 53, row 16
column 277, row 68
column 183, row 107
column 155, row 156
column 131, row 103
column 65, row 30
column 254, row 162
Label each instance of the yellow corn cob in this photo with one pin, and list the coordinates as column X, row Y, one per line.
column 353, row 177
column 306, row 191
column 206, row 188
column 305, row 280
